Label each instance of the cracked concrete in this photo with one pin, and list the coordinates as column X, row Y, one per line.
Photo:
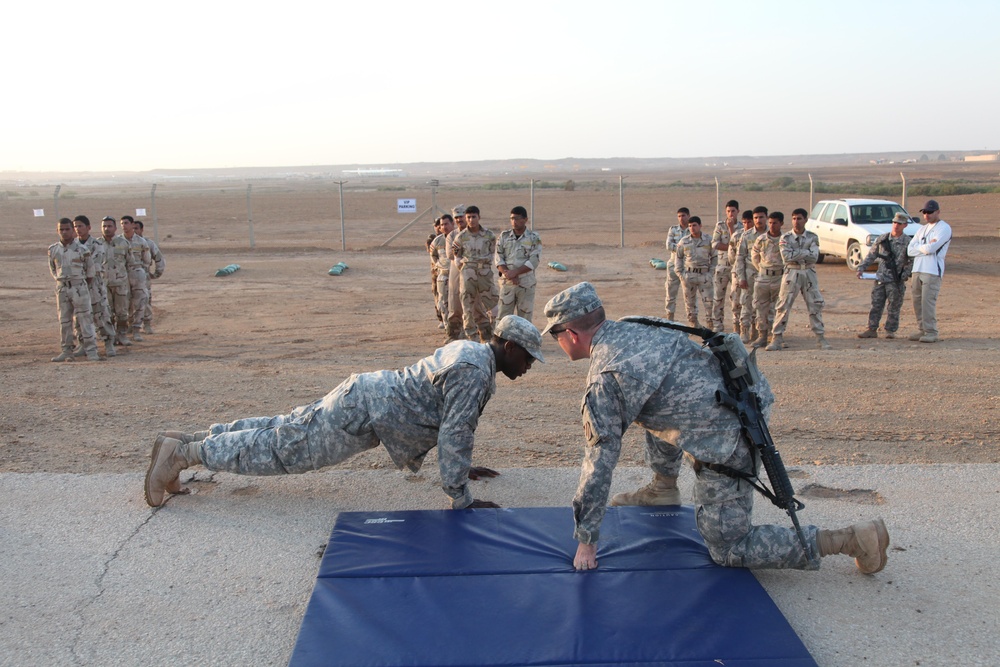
column 92, row 576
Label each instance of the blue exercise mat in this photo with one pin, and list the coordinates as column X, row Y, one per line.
column 497, row 587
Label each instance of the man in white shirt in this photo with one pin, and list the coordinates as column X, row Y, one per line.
column 928, row 249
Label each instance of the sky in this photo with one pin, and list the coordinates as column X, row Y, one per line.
column 135, row 86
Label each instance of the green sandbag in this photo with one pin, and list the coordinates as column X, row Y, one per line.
column 226, row 270
column 658, row 264
column 557, row 266
column 337, row 269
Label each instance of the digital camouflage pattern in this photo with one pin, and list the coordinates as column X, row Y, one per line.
column 799, row 253
column 665, row 383
column 435, row 402
column 887, row 290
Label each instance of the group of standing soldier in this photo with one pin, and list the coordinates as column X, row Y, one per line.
column 102, row 285
column 467, row 260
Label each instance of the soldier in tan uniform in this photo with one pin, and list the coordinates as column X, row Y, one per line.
column 103, row 326
column 723, row 274
column 766, row 258
column 157, row 264
column 736, row 294
column 519, row 254
column 475, row 247
column 453, row 325
column 747, row 274
column 799, row 251
column 673, row 282
column 72, row 267
column 694, row 262
column 439, row 257
column 136, row 261
column 116, row 250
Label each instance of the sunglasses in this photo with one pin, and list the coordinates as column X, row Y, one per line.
column 555, row 332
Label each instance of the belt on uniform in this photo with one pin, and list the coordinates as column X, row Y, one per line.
column 70, row 281
column 478, row 262
column 771, row 272
column 795, row 265
column 694, row 270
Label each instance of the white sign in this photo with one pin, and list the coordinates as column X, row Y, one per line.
column 39, row 212
column 406, row 205
column 140, row 211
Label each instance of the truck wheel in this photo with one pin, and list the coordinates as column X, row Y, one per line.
column 854, row 255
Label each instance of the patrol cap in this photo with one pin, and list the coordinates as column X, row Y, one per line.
column 901, row 218
column 930, row 207
column 521, row 331
column 571, row 303
column 459, row 210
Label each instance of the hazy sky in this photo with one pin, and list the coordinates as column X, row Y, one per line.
column 115, row 86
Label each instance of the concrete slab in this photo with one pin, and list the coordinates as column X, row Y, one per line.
column 91, row 576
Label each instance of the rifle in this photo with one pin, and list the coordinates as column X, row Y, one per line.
column 740, row 374
column 891, row 257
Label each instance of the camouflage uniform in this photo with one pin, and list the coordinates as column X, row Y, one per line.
column 652, row 376
column 442, row 269
column 72, row 266
column 435, row 402
column 136, row 261
column 99, row 290
column 745, row 270
column 766, row 258
column 736, row 293
column 117, row 283
column 694, row 262
column 799, row 254
column 454, row 321
column 673, row 283
column 514, row 252
column 434, row 274
column 889, row 287
column 479, row 289
column 721, row 277
column 156, row 260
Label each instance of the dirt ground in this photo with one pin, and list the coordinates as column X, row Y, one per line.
column 281, row 332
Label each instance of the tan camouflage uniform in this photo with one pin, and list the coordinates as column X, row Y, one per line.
column 103, row 326
column 479, row 288
column 454, row 322
column 673, row 282
column 766, row 258
column 117, row 283
column 652, row 376
column 736, row 293
column 799, row 254
column 722, row 276
column 514, row 252
column 745, row 270
column 694, row 262
column 72, row 266
column 435, row 402
column 441, row 273
column 156, row 261
column 136, row 261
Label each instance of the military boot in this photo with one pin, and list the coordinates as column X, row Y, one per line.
column 661, row 491
column 169, row 457
column 866, row 542
column 822, row 344
column 186, row 438
column 79, row 350
column 109, row 348
column 745, row 336
column 136, row 336
column 485, row 332
column 122, row 339
column 92, row 355
column 868, row 333
column 760, row 341
column 147, row 328
column 776, row 343
column 65, row 355
column 670, row 315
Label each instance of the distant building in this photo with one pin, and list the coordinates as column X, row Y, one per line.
column 990, row 157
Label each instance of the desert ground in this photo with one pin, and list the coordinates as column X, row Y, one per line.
column 281, row 332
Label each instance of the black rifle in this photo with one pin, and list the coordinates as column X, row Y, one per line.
column 739, row 373
column 889, row 256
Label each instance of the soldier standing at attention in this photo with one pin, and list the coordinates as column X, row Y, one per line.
column 98, row 289
column 439, row 257
column 674, row 235
column 736, row 294
column 723, row 274
column 137, row 260
column 454, row 325
column 799, row 251
column 519, row 253
column 694, row 262
column 894, row 266
column 156, row 259
column 747, row 273
column 116, row 251
column 434, row 270
column 766, row 258
column 475, row 247
column 72, row 266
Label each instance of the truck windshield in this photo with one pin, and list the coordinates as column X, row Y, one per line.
column 875, row 214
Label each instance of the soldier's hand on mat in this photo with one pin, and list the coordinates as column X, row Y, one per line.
column 586, row 557
column 480, row 504
column 482, row 473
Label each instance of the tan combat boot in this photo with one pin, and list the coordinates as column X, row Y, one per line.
column 661, row 491
column 761, row 341
column 868, row 333
column 136, row 335
column 109, row 348
column 169, row 457
column 867, row 542
column 197, row 436
column 775, row 344
column 822, row 344
column 65, row 355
